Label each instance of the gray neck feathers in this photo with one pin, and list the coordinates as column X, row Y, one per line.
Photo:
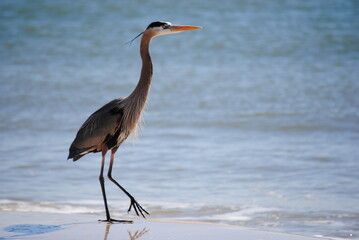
column 136, row 101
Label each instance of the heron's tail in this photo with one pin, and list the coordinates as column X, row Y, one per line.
column 76, row 153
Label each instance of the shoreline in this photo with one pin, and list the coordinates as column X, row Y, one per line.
column 30, row 225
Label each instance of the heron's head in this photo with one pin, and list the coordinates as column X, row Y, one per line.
column 163, row 28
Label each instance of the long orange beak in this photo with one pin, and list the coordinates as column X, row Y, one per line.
column 179, row 28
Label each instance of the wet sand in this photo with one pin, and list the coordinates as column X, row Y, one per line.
column 25, row 225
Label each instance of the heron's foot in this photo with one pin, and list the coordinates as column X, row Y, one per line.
column 111, row 220
column 137, row 207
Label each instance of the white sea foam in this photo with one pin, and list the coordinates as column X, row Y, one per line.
column 193, row 211
column 244, row 214
column 90, row 206
column 45, row 207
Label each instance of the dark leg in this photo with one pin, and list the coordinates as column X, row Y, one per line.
column 102, row 182
column 137, row 207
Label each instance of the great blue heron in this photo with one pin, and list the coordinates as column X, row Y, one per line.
column 110, row 125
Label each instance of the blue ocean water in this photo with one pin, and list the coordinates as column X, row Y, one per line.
column 252, row 120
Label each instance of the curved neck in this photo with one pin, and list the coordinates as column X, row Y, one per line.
column 143, row 86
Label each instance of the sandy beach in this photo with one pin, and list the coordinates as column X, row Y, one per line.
column 25, row 225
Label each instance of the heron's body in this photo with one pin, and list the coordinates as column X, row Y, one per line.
column 110, row 125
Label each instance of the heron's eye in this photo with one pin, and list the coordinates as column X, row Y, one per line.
column 165, row 26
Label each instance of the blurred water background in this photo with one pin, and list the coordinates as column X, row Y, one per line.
column 252, row 121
